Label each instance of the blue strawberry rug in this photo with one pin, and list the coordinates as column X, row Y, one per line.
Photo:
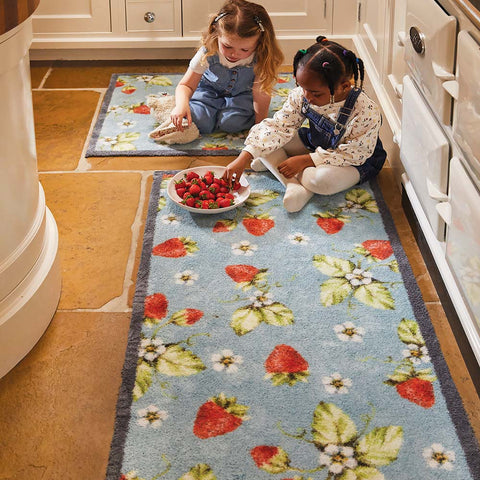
column 124, row 120
column 268, row 345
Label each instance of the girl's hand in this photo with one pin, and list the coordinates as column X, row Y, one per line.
column 177, row 116
column 294, row 165
column 236, row 167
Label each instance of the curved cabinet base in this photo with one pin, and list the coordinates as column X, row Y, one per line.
column 27, row 311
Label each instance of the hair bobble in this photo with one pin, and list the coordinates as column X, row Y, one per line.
column 324, row 39
column 324, row 64
column 302, row 50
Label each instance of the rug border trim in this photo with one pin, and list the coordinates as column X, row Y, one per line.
column 124, row 402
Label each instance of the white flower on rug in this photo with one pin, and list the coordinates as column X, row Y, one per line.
column 144, row 78
column 187, row 277
column 438, row 457
column 151, row 348
column 348, row 332
column 171, row 219
column 261, row 299
column 151, row 416
column 108, row 142
column 227, row 361
column 115, row 109
column 416, row 354
column 350, row 206
column 337, row 458
column 244, row 248
column 335, row 383
column 126, row 124
column 298, row 238
column 359, row 277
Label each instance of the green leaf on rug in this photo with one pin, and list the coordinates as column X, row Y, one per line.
column 375, row 295
column 143, row 380
column 202, row 471
column 332, row 426
column 178, row 362
column 409, row 332
column 380, row 446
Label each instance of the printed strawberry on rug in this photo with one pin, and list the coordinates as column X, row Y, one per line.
column 273, row 346
column 124, row 120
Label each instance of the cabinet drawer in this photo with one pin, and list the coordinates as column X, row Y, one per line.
column 154, row 16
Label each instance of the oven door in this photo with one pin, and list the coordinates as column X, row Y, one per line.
column 463, row 240
column 424, row 152
column 430, row 52
column 466, row 119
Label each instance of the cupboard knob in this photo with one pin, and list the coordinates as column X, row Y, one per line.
column 149, row 17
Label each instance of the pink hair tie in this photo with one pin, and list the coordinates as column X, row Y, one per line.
column 324, row 64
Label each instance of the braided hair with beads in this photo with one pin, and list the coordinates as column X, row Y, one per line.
column 332, row 62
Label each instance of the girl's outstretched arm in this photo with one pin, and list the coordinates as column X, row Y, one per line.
column 261, row 103
column 184, row 91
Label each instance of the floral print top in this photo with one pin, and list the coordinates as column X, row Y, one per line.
column 357, row 145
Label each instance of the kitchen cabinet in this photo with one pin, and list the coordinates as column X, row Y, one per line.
column 132, row 29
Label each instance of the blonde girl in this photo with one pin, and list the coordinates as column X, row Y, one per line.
column 229, row 82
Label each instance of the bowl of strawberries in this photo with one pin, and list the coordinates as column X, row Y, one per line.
column 203, row 190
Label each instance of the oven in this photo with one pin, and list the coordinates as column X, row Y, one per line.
column 440, row 146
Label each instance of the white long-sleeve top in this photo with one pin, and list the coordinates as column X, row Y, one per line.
column 356, row 146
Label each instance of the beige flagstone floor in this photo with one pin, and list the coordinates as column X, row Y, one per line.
column 57, row 406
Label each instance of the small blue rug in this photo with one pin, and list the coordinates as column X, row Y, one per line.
column 267, row 345
column 124, row 121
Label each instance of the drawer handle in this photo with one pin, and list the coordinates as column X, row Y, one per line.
column 149, row 17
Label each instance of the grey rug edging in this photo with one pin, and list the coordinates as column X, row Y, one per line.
column 124, row 402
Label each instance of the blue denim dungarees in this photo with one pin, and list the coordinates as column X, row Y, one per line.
column 327, row 134
column 223, row 100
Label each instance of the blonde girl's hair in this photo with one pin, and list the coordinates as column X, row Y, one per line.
column 247, row 19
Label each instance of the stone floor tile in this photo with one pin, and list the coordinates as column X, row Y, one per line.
column 94, row 213
column 62, row 123
column 58, row 404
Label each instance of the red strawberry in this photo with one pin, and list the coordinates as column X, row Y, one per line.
column 418, row 391
column 271, row 459
column 191, row 175
column 156, row 306
column 128, row 89
column 258, row 225
column 241, row 273
column 144, row 109
column 286, row 365
column 218, row 416
column 175, row 247
column 380, row 249
column 187, row 317
column 224, row 226
column 285, row 359
column 330, row 225
column 119, row 83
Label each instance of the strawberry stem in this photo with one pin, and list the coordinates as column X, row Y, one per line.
column 300, row 436
column 167, row 468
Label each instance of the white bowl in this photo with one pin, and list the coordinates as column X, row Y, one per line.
column 240, row 195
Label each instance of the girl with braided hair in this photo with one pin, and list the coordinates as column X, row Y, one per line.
column 229, row 82
column 340, row 146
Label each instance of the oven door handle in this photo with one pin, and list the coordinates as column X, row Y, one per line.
column 452, row 88
column 441, row 73
column 435, row 193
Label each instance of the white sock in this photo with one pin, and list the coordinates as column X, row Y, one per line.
column 296, row 196
column 257, row 165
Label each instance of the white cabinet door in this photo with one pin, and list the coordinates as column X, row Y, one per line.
column 300, row 18
column 371, row 30
column 71, row 16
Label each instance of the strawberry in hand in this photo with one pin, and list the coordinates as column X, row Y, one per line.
column 218, row 416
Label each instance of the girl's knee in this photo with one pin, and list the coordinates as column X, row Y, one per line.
column 234, row 123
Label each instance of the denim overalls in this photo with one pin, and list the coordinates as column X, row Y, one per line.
column 223, row 100
column 327, row 134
